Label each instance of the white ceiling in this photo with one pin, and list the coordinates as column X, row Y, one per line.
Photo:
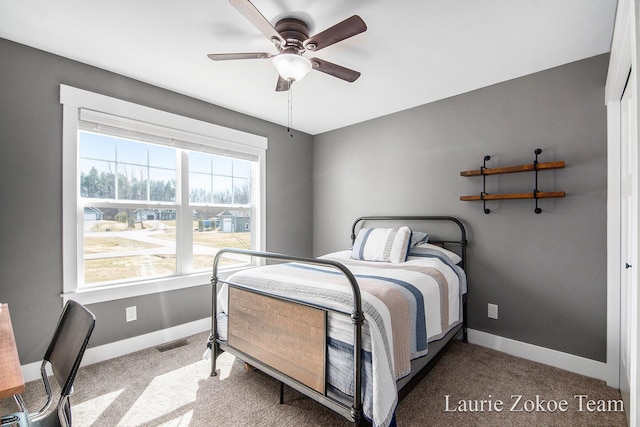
column 414, row 52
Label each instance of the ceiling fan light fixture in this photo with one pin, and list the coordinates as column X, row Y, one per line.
column 291, row 66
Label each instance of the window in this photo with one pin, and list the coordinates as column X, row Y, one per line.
column 149, row 197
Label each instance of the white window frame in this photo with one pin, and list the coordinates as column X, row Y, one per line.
column 208, row 137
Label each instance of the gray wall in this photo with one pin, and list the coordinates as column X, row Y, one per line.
column 546, row 272
column 31, row 194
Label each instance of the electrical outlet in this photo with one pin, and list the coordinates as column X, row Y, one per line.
column 492, row 311
column 131, row 313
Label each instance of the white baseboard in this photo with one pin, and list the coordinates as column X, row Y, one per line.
column 568, row 362
column 104, row 352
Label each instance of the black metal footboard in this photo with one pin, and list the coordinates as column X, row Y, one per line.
column 355, row 412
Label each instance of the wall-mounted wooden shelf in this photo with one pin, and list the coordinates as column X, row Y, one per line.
column 511, row 196
column 531, row 167
column 513, row 169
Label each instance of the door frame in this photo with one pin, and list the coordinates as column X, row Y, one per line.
column 624, row 57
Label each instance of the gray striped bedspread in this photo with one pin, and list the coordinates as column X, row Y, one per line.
column 406, row 305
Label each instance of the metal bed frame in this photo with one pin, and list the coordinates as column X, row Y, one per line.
column 355, row 411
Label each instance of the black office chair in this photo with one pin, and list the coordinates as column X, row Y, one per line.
column 64, row 354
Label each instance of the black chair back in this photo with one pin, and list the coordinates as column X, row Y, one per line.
column 68, row 344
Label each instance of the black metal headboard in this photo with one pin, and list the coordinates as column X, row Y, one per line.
column 463, row 234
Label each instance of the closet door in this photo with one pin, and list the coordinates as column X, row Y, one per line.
column 628, row 242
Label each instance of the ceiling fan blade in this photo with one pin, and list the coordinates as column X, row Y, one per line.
column 232, row 56
column 283, row 85
column 334, row 70
column 341, row 31
column 254, row 16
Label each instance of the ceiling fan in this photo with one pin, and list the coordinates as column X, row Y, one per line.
column 291, row 38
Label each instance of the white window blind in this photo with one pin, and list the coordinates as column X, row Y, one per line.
column 133, row 129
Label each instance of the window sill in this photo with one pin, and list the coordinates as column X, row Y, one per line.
column 113, row 292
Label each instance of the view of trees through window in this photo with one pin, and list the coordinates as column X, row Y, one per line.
column 131, row 205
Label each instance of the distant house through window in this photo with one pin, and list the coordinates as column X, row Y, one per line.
column 150, row 197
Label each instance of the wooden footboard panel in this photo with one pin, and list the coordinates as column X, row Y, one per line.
column 289, row 337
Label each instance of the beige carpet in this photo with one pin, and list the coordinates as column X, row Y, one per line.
column 173, row 388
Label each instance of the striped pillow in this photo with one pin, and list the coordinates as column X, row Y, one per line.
column 382, row 244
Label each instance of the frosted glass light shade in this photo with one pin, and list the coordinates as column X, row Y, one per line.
column 291, row 66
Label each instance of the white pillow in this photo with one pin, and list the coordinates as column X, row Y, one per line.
column 382, row 244
column 426, row 248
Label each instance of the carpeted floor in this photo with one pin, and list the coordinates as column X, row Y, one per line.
column 173, row 388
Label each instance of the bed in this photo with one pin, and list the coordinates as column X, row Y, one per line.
column 356, row 329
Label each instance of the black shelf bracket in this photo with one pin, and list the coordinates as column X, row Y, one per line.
column 484, row 185
column 535, row 190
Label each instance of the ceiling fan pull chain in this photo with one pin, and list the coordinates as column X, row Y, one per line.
column 290, row 110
